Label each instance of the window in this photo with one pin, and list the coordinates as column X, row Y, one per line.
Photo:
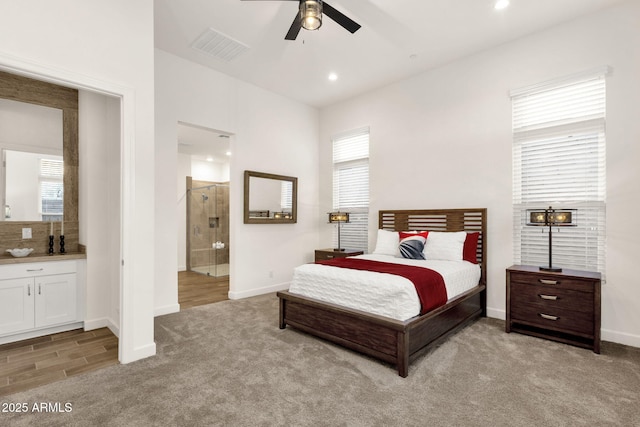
column 51, row 189
column 559, row 161
column 351, row 187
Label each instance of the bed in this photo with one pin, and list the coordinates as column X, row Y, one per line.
column 389, row 339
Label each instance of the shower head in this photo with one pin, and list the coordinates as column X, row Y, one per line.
column 204, row 197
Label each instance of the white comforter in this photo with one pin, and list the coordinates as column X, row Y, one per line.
column 379, row 293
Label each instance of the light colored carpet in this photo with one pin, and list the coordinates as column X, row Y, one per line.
column 228, row 364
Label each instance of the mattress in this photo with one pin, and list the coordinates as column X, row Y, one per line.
column 379, row 293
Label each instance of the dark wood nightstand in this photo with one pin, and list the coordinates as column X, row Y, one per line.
column 563, row 306
column 325, row 254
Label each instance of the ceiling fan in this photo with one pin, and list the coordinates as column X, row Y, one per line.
column 309, row 17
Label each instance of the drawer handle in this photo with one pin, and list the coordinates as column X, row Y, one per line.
column 548, row 297
column 35, row 269
column 548, row 316
column 330, row 256
column 29, row 290
column 548, row 282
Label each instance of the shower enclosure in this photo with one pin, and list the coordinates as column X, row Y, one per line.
column 208, row 228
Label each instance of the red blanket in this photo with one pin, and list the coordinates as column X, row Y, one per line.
column 429, row 284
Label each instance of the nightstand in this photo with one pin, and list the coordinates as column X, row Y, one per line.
column 562, row 306
column 325, row 254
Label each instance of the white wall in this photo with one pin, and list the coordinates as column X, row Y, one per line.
column 269, row 134
column 104, row 46
column 99, row 205
column 443, row 140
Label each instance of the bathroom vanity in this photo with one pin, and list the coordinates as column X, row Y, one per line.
column 41, row 295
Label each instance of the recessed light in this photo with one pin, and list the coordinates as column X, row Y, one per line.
column 501, row 4
column 228, row 153
column 333, row 77
column 209, row 159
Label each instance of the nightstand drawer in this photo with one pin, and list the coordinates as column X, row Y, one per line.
column 551, row 298
column 560, row 320
column 553, row 280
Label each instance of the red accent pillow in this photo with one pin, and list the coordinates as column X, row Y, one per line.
column 405, row 234
column 470, row 246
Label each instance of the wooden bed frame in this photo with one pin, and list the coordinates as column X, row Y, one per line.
column 394, row 341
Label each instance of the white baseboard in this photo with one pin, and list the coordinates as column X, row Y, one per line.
column 139, row 353
column 104, row 322
column 259, row 291
column 496, row 313
column 620, row 337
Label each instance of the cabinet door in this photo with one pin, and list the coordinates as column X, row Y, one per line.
column 16, row 305
column 56, row 299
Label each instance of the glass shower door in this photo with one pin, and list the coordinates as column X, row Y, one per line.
column 208, row 228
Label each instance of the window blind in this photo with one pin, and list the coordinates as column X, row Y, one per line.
column 51, row 187
column 559, row 160
column 351, row 187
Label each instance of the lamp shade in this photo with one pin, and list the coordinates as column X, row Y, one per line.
column 311, row 14
column 551, row 217
column 282, row 215
column 338, row 217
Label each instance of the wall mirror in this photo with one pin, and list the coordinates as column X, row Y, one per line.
column 31, row 182
column 270, row 198
column 39, row 148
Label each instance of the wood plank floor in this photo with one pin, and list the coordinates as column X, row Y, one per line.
column 43, row 360
column 199, row 289
column 37, row 361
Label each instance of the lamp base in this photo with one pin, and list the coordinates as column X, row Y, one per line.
column 551, row 269
column 338, row 249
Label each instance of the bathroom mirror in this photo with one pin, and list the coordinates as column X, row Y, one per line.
column 38, row 120
column 270, row 198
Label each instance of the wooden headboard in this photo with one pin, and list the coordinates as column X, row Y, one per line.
column 469, row 220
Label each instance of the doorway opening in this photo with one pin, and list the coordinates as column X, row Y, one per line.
column 204, row 237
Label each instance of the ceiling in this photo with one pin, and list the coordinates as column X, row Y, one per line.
column 398, row 39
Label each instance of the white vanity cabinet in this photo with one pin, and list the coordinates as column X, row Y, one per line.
column 39, row 298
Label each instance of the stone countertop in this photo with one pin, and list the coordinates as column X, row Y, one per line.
column 8, row 259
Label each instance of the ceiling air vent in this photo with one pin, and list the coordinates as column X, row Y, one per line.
column 218, row 45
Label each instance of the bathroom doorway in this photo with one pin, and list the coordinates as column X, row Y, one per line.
column 204, row 157
column 208, row 228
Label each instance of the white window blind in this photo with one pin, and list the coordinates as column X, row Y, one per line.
column 51, row 188
column 351, row 187
column 559, row 160
column 286, row 196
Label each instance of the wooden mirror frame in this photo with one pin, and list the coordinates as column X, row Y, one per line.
column 24, row 89
column 270, row 220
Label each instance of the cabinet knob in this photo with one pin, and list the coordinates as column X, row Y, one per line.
column 548, row 282
column 548, row 316
column 548, row 297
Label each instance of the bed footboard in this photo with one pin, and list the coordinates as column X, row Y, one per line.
column 389, row 340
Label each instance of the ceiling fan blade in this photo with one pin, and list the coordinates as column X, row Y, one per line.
column 295, row 28
column 346, row 22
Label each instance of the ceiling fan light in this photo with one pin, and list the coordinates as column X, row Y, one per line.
column 311, row 14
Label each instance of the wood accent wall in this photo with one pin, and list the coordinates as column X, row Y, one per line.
column 24, row 89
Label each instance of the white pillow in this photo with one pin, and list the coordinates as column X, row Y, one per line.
column 446, row 246
column 387, row 243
